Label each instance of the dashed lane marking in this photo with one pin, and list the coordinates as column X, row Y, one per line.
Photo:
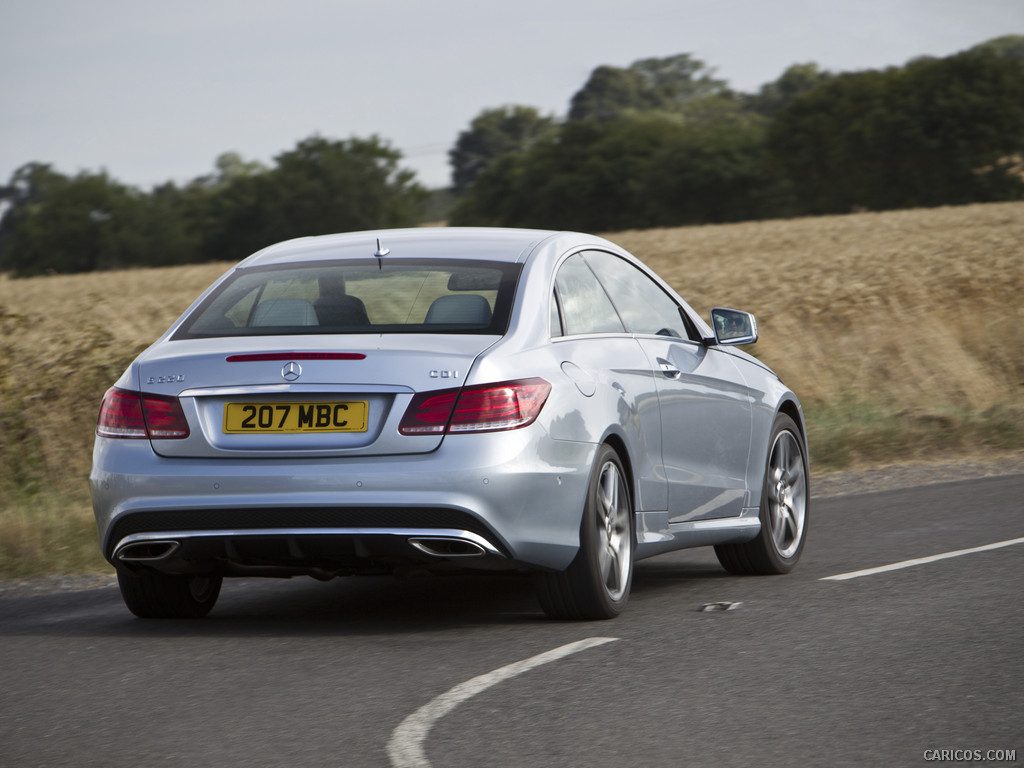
column 921, row 561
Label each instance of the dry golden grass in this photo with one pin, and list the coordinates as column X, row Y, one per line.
column 919, row 309
column 63, row 340
column 902, row 332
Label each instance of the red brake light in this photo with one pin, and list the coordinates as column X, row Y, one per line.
column 482, row 408
column 121, row 415
column 508, row 405
column 127, row 414
column 164, row 417
column 279, row 356
column 428, row 413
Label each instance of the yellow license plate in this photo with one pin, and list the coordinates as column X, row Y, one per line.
column 254, row 418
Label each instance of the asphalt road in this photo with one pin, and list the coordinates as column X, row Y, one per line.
column 876, row 670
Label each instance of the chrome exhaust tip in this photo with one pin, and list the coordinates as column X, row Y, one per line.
column 147, row 551
column 443, row 546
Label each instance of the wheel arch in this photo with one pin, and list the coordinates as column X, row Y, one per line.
column 761, row 444
column 792, row 409
column 615, row 441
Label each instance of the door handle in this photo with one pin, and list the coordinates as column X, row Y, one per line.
column 668, row 370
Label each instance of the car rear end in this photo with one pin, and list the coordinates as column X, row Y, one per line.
column 317, row 412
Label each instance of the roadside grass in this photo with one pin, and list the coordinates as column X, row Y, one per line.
column 48, row 532
column 852, row 435
column 902, row 333
column 50, row 389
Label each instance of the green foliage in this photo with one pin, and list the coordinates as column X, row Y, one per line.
column 493, row 133
column 580, row 180
column 321, row 186
column 637, row 170
column 778, row 94
column 721, row 173
column 663, row 143
column 931, row 133
column 666, row 84
column 88, row 222
column 1007, row 47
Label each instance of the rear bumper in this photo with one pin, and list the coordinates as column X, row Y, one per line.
column 322, row 552
column 518, row 499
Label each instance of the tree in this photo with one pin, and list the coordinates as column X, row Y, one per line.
column 328, row 186
column 231, row 165
column 493, row 133
column 714, row 174
column 21, row 199
column 637, row 170
column 1006, row 47
column 778, row 94
column 82, row 223
column 583, row 179
column 322, row 186
column 665, row 84
column 936, row 132
column 89, row 221
column 609, row 92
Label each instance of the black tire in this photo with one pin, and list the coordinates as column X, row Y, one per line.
column 152, row 595
column 785, row 503
column 596, row 584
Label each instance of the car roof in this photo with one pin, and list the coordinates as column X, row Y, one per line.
column 494, row 244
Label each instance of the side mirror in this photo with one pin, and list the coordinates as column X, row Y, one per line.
column 733, row 327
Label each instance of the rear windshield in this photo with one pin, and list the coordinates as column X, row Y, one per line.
column 365, row 296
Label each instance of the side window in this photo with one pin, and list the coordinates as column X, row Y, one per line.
column 585, row 306
column 642, row 304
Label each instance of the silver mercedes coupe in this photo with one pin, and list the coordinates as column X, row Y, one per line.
column 446, row 399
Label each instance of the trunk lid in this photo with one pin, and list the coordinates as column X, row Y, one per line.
column 309, row 396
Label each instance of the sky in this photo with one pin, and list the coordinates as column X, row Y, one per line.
column 152, row 92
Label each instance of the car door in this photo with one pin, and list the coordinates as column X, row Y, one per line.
column 606, row 362
column 705, row 406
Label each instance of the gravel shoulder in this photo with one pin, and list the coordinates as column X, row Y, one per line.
column 844, row 483
column 891, row 477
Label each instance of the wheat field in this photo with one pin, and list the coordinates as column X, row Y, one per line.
column 902, row 333
column 922, row 309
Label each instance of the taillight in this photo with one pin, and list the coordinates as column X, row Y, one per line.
column 481, row 408
column 509, row 405
column 128, row 414
column 429, row 412
column 164, row 417
column 121, row 415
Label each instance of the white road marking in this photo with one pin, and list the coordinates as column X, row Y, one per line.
column 406, row 745
column 921, row 561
